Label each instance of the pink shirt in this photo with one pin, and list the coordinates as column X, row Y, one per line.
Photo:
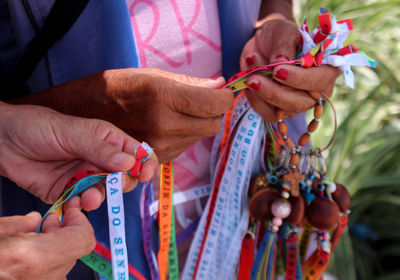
column 179, row 36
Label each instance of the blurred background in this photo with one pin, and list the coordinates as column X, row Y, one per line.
column 365, row 155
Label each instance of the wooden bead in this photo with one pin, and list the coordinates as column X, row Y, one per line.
column 298, row 210
column 314, row 94
column 260, row 204
column 313, row 125
column 294, row 159
column 258, row 182
column 304, row 139
column 282, row 128
column 289, row 143
column 323, row 213
column 318, row 110
column 342, row 197
column 280, row 114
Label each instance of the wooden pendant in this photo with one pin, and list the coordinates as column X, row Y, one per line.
column 293, row 177
column 323, row 213
column 298, row 210
column 260, row 204
column 342, row 197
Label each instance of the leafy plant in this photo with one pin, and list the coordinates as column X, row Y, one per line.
column 365, row 155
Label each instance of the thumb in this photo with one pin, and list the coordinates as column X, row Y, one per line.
column 105, row 156
column 284, row 50
column 277, row 40
column 20, row 224
column 101, row 144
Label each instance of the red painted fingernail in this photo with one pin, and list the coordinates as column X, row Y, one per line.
column 282, row 56
column 282, row 74
column 250, row 60
column 215, row 78
column 254, row 84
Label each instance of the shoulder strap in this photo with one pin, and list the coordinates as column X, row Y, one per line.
column 62, row 16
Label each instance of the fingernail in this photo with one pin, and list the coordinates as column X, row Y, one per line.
column 32, row 214
column 255, row 84
column 213, row 82
column 282, row 74
column 285, row 57
column 121, row 159
column 250, row 60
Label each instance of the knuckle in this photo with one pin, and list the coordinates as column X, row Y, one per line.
column 32, row 266
column 215, row 126
column 212, row 108
column 90, row 241
column 301, row 107
column 274, row 96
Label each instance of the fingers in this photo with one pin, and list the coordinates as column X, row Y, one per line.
column 265, row 110
column 194, row 96
column 20, row 224
column 92, row 198
column 277, row 40
column 311, row 79
column 102, row 154
column 51, row 223
column 251, row 57
column 197, row 101
column 149, row 169
column 102, row 144
column 128, row 182
column 73, row 202
column 185, row 79
column 280, row 96
column 74, row 239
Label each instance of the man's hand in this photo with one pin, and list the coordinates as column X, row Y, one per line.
column 169, row 111
column 40, row 150
column 276, row 41
column 47, row 255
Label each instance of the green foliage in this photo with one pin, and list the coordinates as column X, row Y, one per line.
column 365, row 155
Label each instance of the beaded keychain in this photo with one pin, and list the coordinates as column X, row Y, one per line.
column 295, row 194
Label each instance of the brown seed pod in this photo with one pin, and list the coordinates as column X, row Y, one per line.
column 298, row 210
column 323, row 213
column 260, row 204
column 342, row 197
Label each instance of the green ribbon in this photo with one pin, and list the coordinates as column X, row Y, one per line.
column 173, row 268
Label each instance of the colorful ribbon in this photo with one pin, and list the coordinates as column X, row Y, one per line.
column 84, row 180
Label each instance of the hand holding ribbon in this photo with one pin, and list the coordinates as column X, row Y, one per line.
column 169, row 111
column 47, row 255
column 41, row 149
column 274, row 42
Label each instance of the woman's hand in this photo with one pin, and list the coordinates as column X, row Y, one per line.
column 276, row 41
column 169, row 111
column 40, row 150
